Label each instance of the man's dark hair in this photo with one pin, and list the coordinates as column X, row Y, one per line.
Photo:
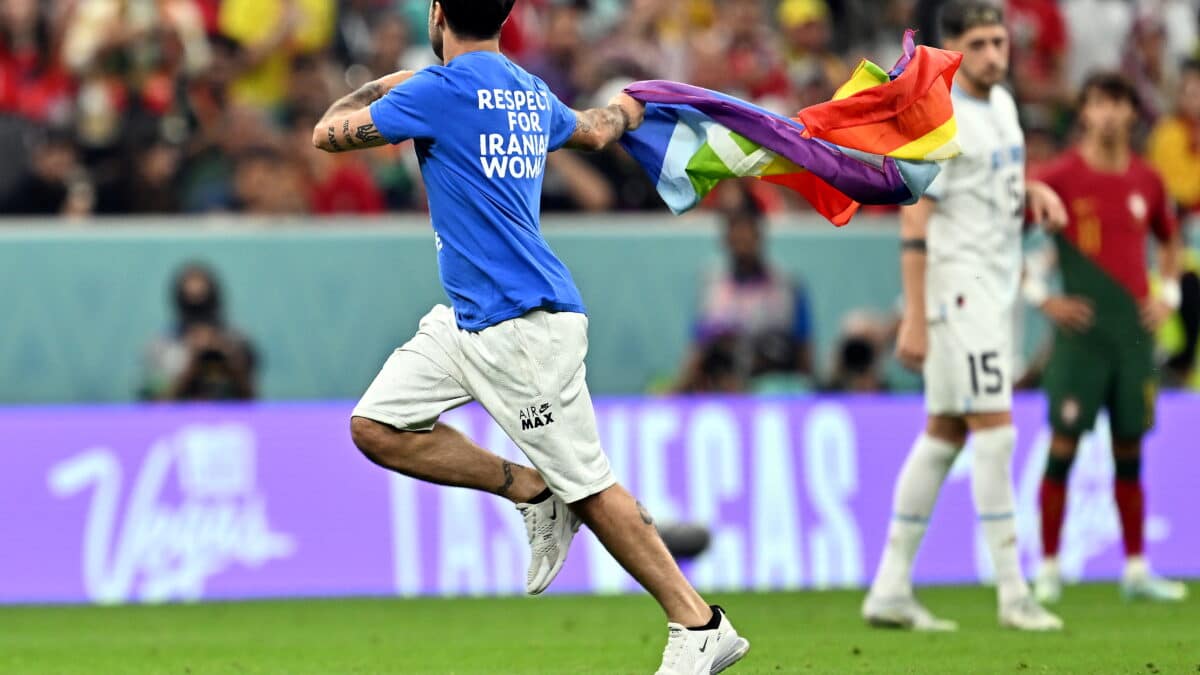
column 960, row 16
column 1190, row 67
column 476, row 19
column 1110, row 85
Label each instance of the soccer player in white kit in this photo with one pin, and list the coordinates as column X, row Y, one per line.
column 961, row 262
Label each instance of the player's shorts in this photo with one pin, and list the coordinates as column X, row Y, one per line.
column 1114, row 371
column 528, row 373
column 968, row 360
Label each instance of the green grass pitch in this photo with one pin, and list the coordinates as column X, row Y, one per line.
column 790, row 633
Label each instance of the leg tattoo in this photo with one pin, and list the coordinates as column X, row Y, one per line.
column 508, row 479
column 645, row 514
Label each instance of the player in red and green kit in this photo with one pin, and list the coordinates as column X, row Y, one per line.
column 1103, row 345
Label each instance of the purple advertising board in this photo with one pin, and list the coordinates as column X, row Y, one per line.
column 156, row 503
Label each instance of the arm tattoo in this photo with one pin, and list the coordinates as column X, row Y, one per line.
column 601, row 126
column 363, row 97
column 645, row 514
column 367, row 133
column 508, row 479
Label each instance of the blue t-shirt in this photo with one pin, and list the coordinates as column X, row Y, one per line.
column 482, row 127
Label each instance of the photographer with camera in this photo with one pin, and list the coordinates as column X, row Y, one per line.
column 202, row 359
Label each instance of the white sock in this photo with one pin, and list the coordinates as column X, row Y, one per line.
column 1136, row 567
column 992, row 489
column 917, row 489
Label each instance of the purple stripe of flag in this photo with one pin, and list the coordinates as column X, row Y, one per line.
column 857, row 180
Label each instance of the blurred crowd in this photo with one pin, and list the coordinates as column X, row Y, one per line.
column 191, row 106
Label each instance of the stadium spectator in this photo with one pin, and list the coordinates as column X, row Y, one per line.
column 201, row 358
column 1039, row 37
column 54, row 182
column 266, row 183
column 560, row 61
column 813, row 70
column 389, row 44
column 33, row 83
column 271, row 33
column 641, row 43
column 754, row 320
column 1174, row 145
column 857, row 366
column 152, row 181
column 1148, row 66
column 1179, row 337
column 119, row 72
column 1094, row 27
column 739, row 54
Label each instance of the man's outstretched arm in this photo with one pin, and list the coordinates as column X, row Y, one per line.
column 347, row 125
column 597, row 127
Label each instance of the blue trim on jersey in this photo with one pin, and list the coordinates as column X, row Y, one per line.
column 961, row 94
column 996, row 516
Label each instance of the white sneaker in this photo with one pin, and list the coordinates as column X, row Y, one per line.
column 1047, row 585
column 903, row 612
column 1140, row 583
column 1027, row 614
column 551, row 526
column 702, row 652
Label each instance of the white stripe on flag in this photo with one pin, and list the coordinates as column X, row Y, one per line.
column 732, row 155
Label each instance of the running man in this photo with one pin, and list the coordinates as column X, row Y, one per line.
column 1103, row 343
column 517, row 335
column 961, row 262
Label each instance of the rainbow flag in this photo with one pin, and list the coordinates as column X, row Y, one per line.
column 876, row 142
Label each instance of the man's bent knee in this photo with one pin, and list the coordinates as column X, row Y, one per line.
column 381, row 443
column 364, row 433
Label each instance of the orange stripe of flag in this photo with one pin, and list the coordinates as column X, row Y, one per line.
column 923, row 88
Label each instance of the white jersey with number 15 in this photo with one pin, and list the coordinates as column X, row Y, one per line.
column 976, row 226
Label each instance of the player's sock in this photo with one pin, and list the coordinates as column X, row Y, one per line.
column 917, row 488
column 713, row 623
column 1052, row 499
column 992, row 490
column 1131, row 503
column 541, row 497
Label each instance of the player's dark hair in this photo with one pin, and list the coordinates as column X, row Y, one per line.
column 476, row 19
column 960, row 16
column 1111, row 85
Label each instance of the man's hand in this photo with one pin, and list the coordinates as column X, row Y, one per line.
column 1045, row 206
column 912, row 342
column 1072, row 313
column 635, row 110
column 1154, row 312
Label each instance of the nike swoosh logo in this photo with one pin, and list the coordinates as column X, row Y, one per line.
column 704, row 646
column 554, row 511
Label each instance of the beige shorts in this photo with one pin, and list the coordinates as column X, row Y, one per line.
column 528, row 373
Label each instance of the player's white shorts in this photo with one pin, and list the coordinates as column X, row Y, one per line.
column 528, row 373
column 968, row 361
